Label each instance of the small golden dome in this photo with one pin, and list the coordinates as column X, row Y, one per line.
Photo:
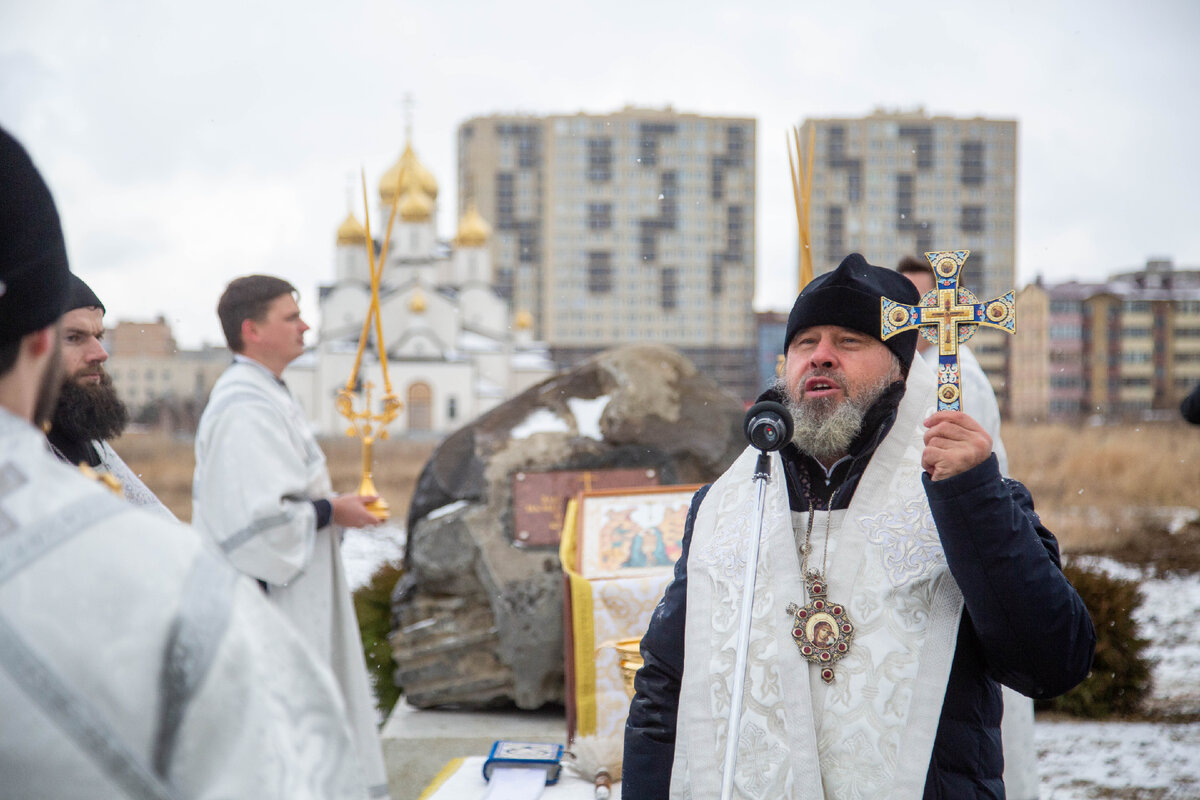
column 523, row 320
column 415, row 206
column 416, row 303
column 473, row 230
column 405, row 174
column 351, row 231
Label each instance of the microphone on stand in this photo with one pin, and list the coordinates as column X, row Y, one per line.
column 768, row 425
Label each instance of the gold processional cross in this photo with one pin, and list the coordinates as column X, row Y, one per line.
column 955, row 313
column 366, row 424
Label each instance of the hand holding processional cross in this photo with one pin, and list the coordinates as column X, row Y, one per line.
column 956, row 314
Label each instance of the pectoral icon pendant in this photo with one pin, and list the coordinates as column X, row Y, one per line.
column 821, row 628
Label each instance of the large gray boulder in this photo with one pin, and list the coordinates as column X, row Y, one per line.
column 477, row 619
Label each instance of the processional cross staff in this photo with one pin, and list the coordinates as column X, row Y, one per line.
column 948, row 315
column 366, row 424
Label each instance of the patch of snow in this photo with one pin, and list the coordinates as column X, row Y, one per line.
column 587, row 415
column 1181, row 517
column 542, row 420
column 1168, row 618
column 366, row 550
column 1086, row 760
column 1107, row 566
column 449, row 508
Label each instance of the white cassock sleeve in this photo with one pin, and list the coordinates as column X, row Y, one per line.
column 251, row 490
column 267, row 713
column 135, row 662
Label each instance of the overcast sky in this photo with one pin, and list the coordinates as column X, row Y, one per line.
column 188, row 143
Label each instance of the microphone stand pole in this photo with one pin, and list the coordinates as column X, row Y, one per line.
column 762, row 473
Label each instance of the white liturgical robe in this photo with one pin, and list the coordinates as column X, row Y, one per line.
column 135, row 662
column 258, row 471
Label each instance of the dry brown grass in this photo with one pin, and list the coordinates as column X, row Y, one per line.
column 1104, row 489
column 166, row 465
column 1100, row 489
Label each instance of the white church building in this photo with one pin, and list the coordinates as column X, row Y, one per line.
column 454, row 348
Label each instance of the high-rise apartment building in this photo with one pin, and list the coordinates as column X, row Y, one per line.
column 905, row 183
column 635, row 226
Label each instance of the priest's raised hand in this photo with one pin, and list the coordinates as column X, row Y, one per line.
column 954, row 443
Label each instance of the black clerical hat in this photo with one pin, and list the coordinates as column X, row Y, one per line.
column 849, row 296
column 82, row 296
column 33, row 257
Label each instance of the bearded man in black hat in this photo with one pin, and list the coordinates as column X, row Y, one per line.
column 134, row 661
column 888, row 524
column 89, row 412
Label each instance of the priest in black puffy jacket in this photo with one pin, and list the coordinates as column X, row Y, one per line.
column 901, row 579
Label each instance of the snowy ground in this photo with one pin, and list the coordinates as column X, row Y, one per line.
column 1140, row 760
column 364, row 551
column 1086, row 760
column 1076, row 760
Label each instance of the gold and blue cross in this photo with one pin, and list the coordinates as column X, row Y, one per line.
column 948, row 315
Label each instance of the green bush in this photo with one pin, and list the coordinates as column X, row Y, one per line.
column 373, row 606
column 1120, row 676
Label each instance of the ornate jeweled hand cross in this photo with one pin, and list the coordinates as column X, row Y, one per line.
column 956, row 314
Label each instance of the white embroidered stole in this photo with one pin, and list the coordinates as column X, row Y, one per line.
column 132, row 487
column 873, row 728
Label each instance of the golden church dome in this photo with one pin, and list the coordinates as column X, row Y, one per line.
column 351, row 231
column 523, row 320
column 473, row 230
column 416, row 206
column 416, row 303
column 407, row 173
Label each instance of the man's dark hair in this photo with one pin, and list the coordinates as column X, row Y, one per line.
column 911, row 265
column 248, row 298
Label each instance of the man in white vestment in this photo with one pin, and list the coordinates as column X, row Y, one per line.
column 979, row 400
column 134, row 661
column 262, row 492
column 88, row 412
column 887, row 522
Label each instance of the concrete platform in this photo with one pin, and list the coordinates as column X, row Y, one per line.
column 418, row 743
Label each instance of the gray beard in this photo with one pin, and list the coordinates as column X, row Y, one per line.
column 826, row 427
